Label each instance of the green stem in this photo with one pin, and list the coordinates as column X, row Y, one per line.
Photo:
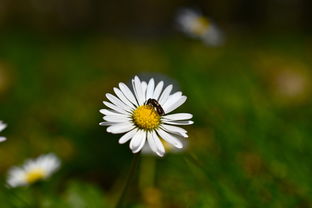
column 15, row 195
column 132, row 171
column 147, row 172
column 37, row 194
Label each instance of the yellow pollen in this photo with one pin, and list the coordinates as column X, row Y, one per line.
column 35, row 175
column 201, row 25
column 145, row 117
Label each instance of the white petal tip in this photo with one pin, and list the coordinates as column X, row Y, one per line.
column 135, row 151
column 104, row 123
column 179, row 146
column 160, row 154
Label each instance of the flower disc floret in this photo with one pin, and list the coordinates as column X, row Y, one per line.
column 35, row 175
column 145, row 117
column 200, row 26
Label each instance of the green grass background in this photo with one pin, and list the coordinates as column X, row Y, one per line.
column 250, row 145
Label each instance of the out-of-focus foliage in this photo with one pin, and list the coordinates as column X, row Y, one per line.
column 151, row 17
column 250, row 145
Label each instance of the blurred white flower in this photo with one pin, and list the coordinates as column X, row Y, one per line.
column 196, row 25
column 2, row 126
column 142, row 115
column 33, row 170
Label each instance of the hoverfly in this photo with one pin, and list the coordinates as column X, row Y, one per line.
column 152, row 102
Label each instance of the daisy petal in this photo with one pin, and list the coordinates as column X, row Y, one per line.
column 109, row 112
column 159, row 145
column 175, row 130
column 158, row 90
column 2, row 125
column 115, row 108
column 178, row 116
column 107, row 123
column 119, row 118
column 170, row 139
column 120, row 128
column 150, row 89
column 118, row 102
column 171, row 100
column 127, row 93
column 16, row 177
column 2, row 139
column 176, row 104
column 164, row 96
column 144, row 88
column 151, row 142
column 122, row 97
column 138, row 141
column 126, row 137
column 137, row 87
column 179, row 122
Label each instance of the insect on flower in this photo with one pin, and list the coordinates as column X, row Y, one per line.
column 156, row 105
column 143, row 115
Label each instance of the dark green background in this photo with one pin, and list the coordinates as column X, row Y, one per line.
column 250, row 145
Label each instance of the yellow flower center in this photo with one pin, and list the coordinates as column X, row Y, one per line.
column 35, row 175
column 201, row 25
column 145, row 117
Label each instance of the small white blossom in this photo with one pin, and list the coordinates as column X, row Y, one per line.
column 144, row 115
column 33, row 170
column 196, row 25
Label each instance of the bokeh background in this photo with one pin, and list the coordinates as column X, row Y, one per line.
column 250, row 145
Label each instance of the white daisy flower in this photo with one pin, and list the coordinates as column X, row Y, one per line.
column 33, row 170
column 143, row 115
column 2, row 126
column 196, row 25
